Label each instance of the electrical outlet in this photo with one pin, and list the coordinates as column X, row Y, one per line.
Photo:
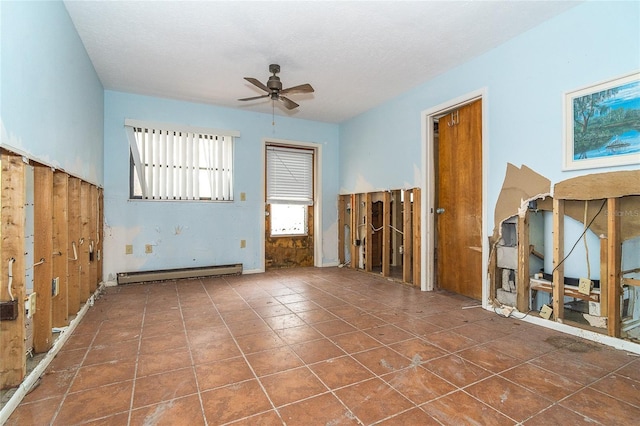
column 243, row 196
column 243, row 243
column 546, row 311
column 148, row 248
column 55, row 286
column 30, row 305
column 128, row 249
column 584, row 286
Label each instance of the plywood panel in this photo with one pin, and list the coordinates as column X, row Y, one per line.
column 60, row 253
column 43, row 255
column 12, row 333
column 73, row 249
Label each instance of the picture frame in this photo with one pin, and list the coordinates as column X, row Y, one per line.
column 602, row 124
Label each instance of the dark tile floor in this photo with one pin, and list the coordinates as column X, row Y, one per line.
column 322, row 347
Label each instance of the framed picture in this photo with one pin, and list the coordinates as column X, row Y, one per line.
column 602, row 124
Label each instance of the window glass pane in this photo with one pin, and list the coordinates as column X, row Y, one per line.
column 288, row 219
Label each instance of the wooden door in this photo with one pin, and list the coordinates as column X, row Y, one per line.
column 459, row 201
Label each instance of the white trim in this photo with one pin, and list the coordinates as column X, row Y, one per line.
column 180, row 128
column 317, row 205
column 29, row 382
column 253, row 271
column 428, row 188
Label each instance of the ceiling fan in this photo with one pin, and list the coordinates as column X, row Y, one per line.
column 274, row 88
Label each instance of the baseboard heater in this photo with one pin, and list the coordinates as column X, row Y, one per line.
column 175, row 274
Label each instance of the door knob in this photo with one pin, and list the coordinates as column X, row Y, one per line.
column 439, row 210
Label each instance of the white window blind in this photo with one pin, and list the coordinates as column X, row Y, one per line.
column 289, row 175
column 180, row 164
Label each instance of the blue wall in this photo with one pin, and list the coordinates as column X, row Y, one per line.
column 51, row 100
column 203, row 233
column 524, row 79
column 54, row 109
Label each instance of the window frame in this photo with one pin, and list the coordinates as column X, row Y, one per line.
column 134, row 126
column 313, row 153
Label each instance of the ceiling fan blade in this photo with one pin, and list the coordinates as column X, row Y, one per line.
column 303, row 88
column 257, row 83
column 254, row 98
column 288, row 102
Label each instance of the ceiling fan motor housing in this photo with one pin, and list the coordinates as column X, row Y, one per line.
column 274, row 83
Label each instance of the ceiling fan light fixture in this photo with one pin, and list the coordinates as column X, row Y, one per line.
column 274, row 88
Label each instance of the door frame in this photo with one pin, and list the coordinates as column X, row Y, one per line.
column 317, row 196
column 428, row 230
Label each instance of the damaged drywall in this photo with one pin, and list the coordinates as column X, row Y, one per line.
column 521, row 186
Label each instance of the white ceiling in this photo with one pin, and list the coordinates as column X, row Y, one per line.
column 356, row 55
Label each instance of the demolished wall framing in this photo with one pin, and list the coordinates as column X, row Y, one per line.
column 386, row 223
column 614, row 193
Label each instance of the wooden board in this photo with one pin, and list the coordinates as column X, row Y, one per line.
column 100, row 244
column 407, row 240
column 368, row 237
column 43, row 257
column 354, row 230
column 13, row 364
column 60, row 253
column 614, row 256
column 93, row 238
column 85, row 237
column 558, row 257
column 74, row 236
column 416, row 221
column 386, row 233
column 522, row 284
column 599, row 186
column 341, row 227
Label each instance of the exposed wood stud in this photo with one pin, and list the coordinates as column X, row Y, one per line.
column 368, row 233
column 417, row 260
column 43, row 256
column 100, row 245
column 93, row 238
column 407, row 241
column 73, row 248
column 13, row 364
column 85, row 237
column 386, row 233
column 604, row 280
column 60, row 248
column 341, row 227
column 614, row 256
column 522, row 284
column 354, row 230
column 558, row 255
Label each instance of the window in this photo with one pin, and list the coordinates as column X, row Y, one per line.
column 170, row 163
column 289, row 189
